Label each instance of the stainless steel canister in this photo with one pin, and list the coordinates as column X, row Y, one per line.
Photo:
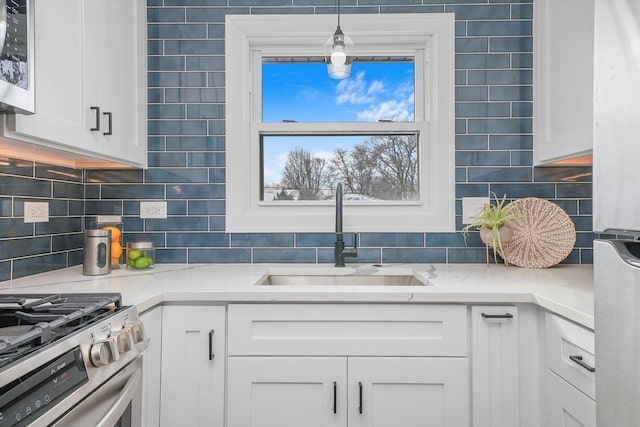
column 97, row 252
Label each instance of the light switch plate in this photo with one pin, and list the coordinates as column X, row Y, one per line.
column 153, row 210
column 36, row 212
column 471, row 207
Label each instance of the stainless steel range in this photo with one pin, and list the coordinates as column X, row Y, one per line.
column 70, row 360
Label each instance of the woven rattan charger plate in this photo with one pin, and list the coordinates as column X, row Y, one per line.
column 543, row 234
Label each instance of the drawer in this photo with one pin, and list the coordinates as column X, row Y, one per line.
column 347, row 330
column 566, row 406
column 571, row 353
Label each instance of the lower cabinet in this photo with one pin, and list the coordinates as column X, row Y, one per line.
column 353, row 391
column 347, row 365
column 570, row 374
column 193, row 366
column 495, row 366
column 566, row 406
column 151, row 367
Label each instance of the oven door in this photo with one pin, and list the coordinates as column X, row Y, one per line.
column 117, row 403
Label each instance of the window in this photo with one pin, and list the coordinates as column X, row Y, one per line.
column 387, row 132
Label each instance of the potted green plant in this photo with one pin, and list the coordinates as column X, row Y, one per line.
column 491, row 222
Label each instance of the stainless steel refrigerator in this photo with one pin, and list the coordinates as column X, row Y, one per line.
column 616, row 211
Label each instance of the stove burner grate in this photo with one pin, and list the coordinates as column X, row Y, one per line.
column 28, row 322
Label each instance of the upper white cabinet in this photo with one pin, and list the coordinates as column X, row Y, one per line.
column 90, row 71
column 563, row 79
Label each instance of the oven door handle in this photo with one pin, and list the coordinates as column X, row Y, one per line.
column 125, row 397
column 125, row 388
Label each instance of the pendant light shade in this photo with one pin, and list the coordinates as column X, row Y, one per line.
column 338, row 53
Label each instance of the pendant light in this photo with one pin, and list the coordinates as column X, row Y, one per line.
column 337, row 53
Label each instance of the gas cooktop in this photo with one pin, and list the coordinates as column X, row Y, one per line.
column 29, row 322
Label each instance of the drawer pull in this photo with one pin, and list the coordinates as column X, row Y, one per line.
column 97, row 111
column 497, row 316
column 110, row 122
column 360, row 393
column 335, row 398
column 211, row 355
column 578, row 360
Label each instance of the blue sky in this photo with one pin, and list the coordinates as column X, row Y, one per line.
column 303, row 92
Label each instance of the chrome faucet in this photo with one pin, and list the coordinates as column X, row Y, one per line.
column 340, row 252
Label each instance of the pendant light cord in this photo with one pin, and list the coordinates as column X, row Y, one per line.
column 338, row 13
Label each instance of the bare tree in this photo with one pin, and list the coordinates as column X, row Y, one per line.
column 356, row 169
column 305, row 173
column 396, row 163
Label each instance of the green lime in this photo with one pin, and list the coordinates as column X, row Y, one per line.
column 141, row 262
column 133, row 254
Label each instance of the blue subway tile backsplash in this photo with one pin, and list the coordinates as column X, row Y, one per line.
column 186, row 124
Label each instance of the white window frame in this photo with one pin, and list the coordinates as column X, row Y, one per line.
column 428, row 37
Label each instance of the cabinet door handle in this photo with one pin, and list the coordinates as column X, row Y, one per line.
column 360, row 397
column 335, row 398
column 497, row 316
column 579, row 361
column 97, row 126
column 211, row 355
column 110, row 121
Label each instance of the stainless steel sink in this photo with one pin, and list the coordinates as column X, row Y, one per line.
column 338, row 277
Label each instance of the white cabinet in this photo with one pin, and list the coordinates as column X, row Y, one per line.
column 353, row 391
column 563, row 79
column 151, row 367
column 570, row 374
column 495, row 366
column 193, row 366
column 287, row 391
column 566, row 406
column 321, row 364
column 408, row 391
column 90, row 71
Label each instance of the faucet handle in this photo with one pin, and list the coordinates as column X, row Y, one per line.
column 352, row 252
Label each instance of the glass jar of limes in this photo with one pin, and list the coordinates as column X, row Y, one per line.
column 140, row 255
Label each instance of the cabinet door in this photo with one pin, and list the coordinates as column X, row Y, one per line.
column 58, row 117
column 193, row 366
column 566, row 406
column 151, row 369
column 113, row 78
column 287, row 392
column 563, row 72
column 103, row 43
column 494, row 366
column 408, row 392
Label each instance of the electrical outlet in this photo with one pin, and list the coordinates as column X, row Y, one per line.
column 153, row 210
column 36, row 212
column 471, row 208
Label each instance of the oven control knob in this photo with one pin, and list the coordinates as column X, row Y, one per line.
column 104, row 352
column 124, row 340
column 137, row 332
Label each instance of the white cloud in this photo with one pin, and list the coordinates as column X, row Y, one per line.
column 353, row 90
column 379, row 101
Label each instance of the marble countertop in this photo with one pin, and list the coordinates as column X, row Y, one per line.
column 564, row 289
